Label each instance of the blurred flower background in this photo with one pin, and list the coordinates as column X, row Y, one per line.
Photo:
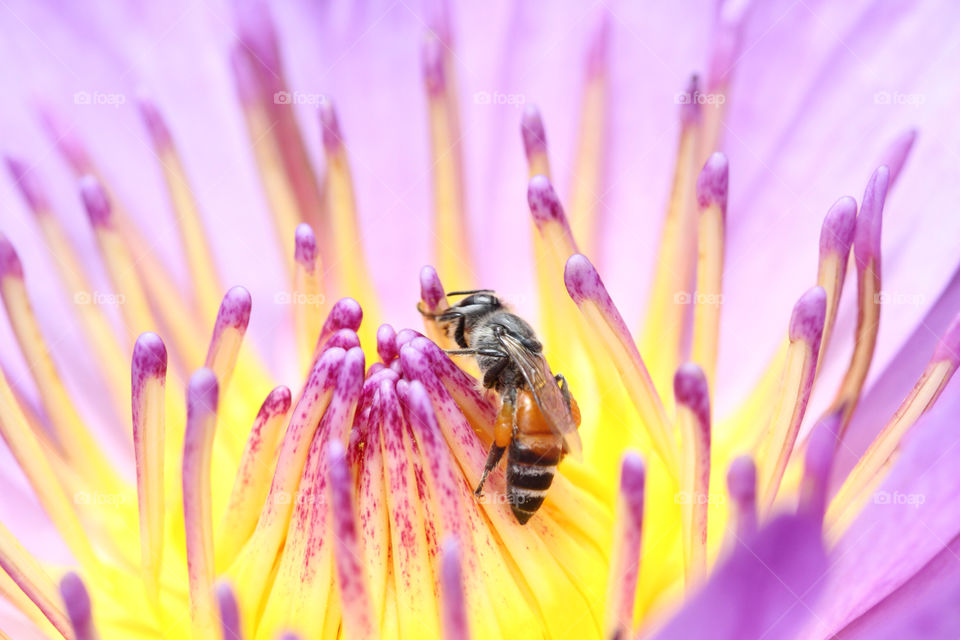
column 807, row 98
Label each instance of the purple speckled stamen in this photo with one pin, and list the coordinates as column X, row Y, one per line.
column 690, row 107
column 154, row 122
column 896, row 154
column 836, row 233
column 77, row 602
column 531, row 128
column 806, row 322
column 431, row 289
column 330, row 125
column 234, row 310
column 817, row 463
column 387, row 343
column 713, row 182
column 691, row 390
column 149, row 358
column 28, row 182
column 434, row 76
column 623, row 576
column 452, row 597
column 948, row 348
column 10, row 265
column 305, row 246
column 229, row 612
column 95, row 201
column 866, row 242
column 742, row 486
column 544, row 203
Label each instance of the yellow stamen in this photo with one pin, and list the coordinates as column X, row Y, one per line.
column 349, row 265
column 451, row 248
column 197, row 511
column 31, row 579
column 203, row 273
column 806, row 328
column 693, row 425
column 868, row 471
column 35, row 464
column 668, row 302
column 73, row 439
column 307, row 296
column 149, row 413
column 252, row 481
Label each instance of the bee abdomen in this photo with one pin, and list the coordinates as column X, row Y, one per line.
column 530, row 471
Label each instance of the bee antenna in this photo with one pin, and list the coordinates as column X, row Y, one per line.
column 468, row 293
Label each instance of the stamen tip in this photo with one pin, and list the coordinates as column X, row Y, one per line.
column 531, row 127
column 433, row 72
column 836, row 234
column 598, row 52
column 742, row 479
column 809, row 313
column 229, row 611
column 305, row 245
column 632, row 477
column 243, row 75
column 431, row 289
column 948, row 348
column 277, row 401
column 386, row 343
column 202, row 391
column 713, row 182
column 154, row 122
column 690, row 108
column 95, row 201
column 235, row 309
column 581, row 279
column 149, row 356
column 866, row 242
column 691, row 390
column 332, row 138
column 76, row 599
column 345, row 314
column 27, row 182
column 10, row 265
column 544, row 203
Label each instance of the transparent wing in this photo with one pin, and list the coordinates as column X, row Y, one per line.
column 545, row 391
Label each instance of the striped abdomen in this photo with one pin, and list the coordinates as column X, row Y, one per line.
column 532, row 459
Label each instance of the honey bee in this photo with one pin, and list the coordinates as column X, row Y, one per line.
column 538, row 417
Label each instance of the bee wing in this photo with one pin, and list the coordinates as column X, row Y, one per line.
column 545, row 391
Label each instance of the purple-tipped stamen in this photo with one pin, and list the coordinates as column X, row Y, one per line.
column 866, row 242
column 817, row 463
column 10, row 265
column 230, row 626
column 431, row 289
column 544, row 202
column 836, row 233
column 691, row 111
column 28, row 182
column 533, row 132
column 742, row 487
column 305, row 246
column 149, row 358
column 234, row 310
column 712, row 184
column 330, row 125
column 387, row 343
column 452, row 596
column 622, row 586
column 806, row 322
column 690, row 389
column 434, row 76
column 155, row 124
column 76, row 599
column 95, row 201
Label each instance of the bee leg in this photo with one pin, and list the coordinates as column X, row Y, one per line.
column 503, row 430
column 490, row 353
column 564, row 389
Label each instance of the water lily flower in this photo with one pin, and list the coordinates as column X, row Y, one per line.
column 766, row 413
